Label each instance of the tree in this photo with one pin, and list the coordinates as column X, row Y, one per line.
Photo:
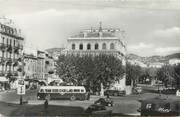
column 89, row 70
column 166, row 74
column 133, row 73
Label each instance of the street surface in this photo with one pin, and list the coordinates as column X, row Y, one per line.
column 125, row 105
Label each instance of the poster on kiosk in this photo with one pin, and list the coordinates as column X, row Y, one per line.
column 21, row 87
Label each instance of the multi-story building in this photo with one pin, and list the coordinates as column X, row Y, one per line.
column 11, row 46
column 55, row 52
column 45, row 66
column 99, row 41
column 39, row 67
column 30, row 67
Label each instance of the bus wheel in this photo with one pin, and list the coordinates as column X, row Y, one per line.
column 72, row 98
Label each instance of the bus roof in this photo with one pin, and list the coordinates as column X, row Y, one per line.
column 62, row 87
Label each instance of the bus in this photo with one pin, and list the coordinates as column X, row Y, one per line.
column 63, row 92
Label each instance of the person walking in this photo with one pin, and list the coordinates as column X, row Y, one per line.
column 46, row 106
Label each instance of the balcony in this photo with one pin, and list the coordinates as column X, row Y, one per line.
column 2, row 47
column 15, row 73
column 2, row 61
column 8, row 61
column 9, row 48
column 16, row 50
column 15, row 63
column 1, row 73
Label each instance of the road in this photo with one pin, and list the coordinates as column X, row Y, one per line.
column 126, row 105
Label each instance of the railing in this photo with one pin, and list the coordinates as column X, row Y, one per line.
column 2, row 46
column 8, row 61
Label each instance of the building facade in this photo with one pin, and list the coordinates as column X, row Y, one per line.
column 11, row 46
column 99, row 41
column 39, row 67
column 30, row 67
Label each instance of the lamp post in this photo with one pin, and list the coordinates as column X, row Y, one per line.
column 21, row 84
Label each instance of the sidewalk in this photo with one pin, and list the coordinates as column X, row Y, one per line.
column 6, row 91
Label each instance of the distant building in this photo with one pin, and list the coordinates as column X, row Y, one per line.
column 156, row 65
column 174, row 61
column 94, row 42
column 11, row 46
column 136, row 62
column 30, row 67
column 40, row 67
column 45, row 65
column 55, row 52
column 97, row 41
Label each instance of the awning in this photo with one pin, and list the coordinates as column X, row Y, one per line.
column 3, row 79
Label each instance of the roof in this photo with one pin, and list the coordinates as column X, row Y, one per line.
column 93, row 34
column 62, row 87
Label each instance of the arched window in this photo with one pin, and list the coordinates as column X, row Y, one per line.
column 81, row 46
column 104, row 46
column 96, row 46
column 112, row 46
column 73, row 46
column 88, row 46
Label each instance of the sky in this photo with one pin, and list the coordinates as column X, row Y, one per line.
column 152, row 27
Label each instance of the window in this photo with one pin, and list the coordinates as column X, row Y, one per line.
column 88, row 46
column 112, row 46
column 73, row 46
column 70, row 90
column 82, row 90
column 96, row 46
column 76, row 90
column 104, row 46
column 81, row 46
column 61, row 90
column 48, row 90
column 54, row 90
column 41, row 91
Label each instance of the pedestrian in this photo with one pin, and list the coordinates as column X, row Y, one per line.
column 46, row 105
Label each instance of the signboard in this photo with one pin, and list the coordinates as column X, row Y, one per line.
column 21, row 87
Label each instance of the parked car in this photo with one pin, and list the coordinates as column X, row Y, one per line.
column 160, row 106
column 95, row 107
column 137, row 90
column 114, row 93
column 104, row 102
column 98, row 110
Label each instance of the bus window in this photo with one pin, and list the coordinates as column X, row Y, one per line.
column 61, row 90
column 76, row 90
column 82, row 90
column 48, row 90
column 54, row 90
column 41, row 91
column 70, row 90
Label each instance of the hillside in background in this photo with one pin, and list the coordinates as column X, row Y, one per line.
column 146, row 60
column 152, row 59
column 52, row 50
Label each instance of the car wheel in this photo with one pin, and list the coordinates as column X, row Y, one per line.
column 72, row 98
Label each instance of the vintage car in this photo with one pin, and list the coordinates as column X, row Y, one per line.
column 114, row 93
column 160, row 106
column 97, row 110
column 137, row 90
column 104, row 101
